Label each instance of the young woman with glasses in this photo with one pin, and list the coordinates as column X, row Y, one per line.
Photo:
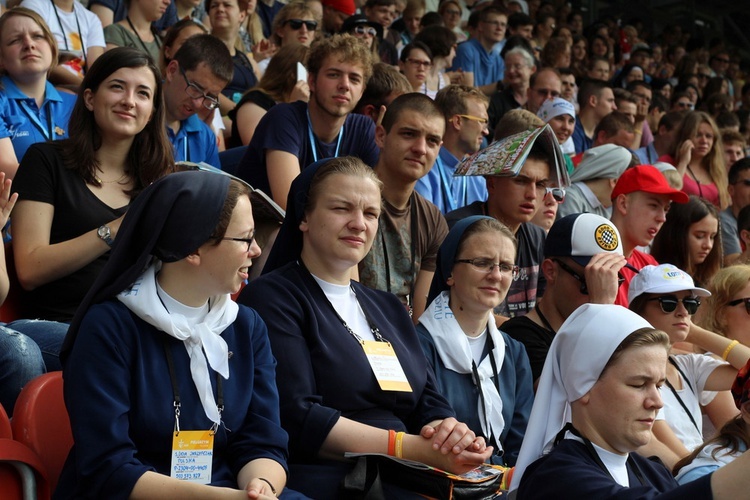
column 159, row 357
column 416, row 63
column 73, row 193
column 483, row 373
column 667, row 298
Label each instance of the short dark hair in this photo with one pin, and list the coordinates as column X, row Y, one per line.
column 414, row 101
column 672, row 120
column 406, row 51
column 613, row 123
column 591, row 87
column 727, row 119
column 518, row 19
column 659, row 102
column 637, row 83
column 209, row 50
column 439, row 39
column 384, row 81
column 736, row 169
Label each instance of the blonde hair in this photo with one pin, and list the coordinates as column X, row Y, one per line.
column 725, row 284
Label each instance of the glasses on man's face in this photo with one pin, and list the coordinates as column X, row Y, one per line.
column 487, row 266
column 557, row 193
column 195, row 92
column 703, row 76
column 296, row 24
column 684, row 105
column 418, row 62
column 737, row 302
column 643, row 96
column 548, row 93
column 478, row 119
column 365, row 30
column 668, row 303
column 581, row 279
column 247, row 241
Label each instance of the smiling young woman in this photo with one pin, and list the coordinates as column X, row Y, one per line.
column 73, row 193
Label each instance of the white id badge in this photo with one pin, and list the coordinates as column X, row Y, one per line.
column 192, row 456
column 385, row 366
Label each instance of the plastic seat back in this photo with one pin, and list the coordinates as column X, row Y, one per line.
column 5, row 430
column 41, row 422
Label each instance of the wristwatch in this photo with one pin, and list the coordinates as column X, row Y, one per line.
column 105, row 234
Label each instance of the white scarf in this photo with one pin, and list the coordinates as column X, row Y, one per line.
column 453, row 348
column 143, row 300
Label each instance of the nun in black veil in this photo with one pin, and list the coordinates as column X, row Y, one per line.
column 169, row 384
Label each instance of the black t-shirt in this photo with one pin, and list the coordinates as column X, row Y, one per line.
column 43, row 177
column 535, row 338
column 257, row 97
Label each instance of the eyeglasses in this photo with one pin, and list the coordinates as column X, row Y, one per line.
column 195, row 92
column 365, row 30
column 482, row 121
column 581, row 279
column 684, row 105
column 746, row 300
column 547, row 92
column 557, row 193
column 248, row 241
column 296, row 24
column 668, row 303
column 487, row 266
column 642, row 96
column 418, row 63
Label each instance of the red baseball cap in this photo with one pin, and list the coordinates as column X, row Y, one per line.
column 345, row 6
column 648, row 179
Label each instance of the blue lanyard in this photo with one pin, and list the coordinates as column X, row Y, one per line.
column 312, row 139
column 185, row 148
column 447, row 188
column 48, row 132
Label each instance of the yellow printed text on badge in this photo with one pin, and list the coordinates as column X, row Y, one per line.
column 385, row 366
column 192, row 456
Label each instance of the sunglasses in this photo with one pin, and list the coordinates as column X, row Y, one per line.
column 668, row 303
column 365, row 30
column 581, row 279
column 736, row 302
column 296, row 24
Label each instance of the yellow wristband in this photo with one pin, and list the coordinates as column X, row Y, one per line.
column 729, row 349
column 399, row 444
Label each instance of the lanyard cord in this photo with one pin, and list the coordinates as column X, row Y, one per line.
column 595, row 456
column 679, row 399
column 173, row 379
column 32, row 116
column 544, row 320
column 313, row 138
column 65, row 37
column 143, row 44
column 373, row 328
column 495, row 378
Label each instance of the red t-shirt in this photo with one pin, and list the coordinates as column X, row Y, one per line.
column 638, row 260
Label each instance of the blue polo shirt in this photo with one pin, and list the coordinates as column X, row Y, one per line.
column 488, row 67
column 446, row 191
column 195, row 141
column 26, row 123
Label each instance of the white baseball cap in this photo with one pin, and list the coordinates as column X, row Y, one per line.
column 664, row 278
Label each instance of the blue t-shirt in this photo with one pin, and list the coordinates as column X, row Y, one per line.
column 286, row 128
column 446, row 191
column 580, row 140
column 26, row 123
column 488, row 67
column 195, row 141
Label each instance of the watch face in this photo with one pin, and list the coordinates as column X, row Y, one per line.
column 103, row 232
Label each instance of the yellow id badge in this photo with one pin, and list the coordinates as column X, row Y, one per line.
column 385, row 366
column 192, row 456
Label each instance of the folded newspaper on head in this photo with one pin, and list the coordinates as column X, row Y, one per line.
column 507, row 156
